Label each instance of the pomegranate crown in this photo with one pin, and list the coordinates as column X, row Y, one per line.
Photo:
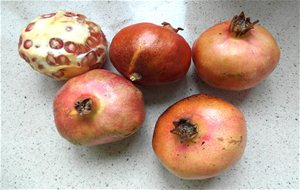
column 84, row 107
column 185, row 130
column 240, row 25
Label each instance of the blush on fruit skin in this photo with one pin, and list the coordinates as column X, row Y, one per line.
column 63, row 45
column 112, row 108
column 217, row 144
column 149, row 54
column 229, row 61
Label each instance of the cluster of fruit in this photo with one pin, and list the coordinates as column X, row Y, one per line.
column 196, row 138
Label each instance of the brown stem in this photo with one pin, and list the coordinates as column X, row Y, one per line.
column 240, row 25
column 135, row 77
column 169, row 26
column 185, row 130
column 84, row 106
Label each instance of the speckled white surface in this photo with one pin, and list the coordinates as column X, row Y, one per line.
column 33, row 155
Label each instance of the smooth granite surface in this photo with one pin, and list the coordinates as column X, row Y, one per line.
column 33, row 155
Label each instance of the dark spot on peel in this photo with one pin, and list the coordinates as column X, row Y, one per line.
column 56, row 43
column 40, row 66
column 237, row 142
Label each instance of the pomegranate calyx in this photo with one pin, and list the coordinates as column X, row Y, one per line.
column 84, row 106
column 169, row 26
column 240, row 25
column 185, row 130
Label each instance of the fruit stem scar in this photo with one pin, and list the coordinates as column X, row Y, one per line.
column 135, row 77
column 84, row 106
column 169, row 26
column 185, row 130
column 240, row 25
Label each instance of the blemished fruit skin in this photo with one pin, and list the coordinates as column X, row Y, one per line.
column 62, row 45
column 116, row 108
column 226, row 61
column 148, row 54
column 217, row 145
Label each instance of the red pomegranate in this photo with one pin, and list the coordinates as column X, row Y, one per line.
column 63, row 45
column 199, row 137
column 149, row 54
column 98, row 107
column 236, row 54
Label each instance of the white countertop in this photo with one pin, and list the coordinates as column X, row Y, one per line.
column 35, row 156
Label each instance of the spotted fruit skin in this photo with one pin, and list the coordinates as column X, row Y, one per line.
column 117, row 109
column 157, row 54
column 228, row 62
column 219, row 143
column 63, row 45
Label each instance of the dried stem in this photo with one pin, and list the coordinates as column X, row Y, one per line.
column 169, row 26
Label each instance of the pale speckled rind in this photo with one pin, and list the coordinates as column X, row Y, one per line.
column 45, row 28
column 35, row 156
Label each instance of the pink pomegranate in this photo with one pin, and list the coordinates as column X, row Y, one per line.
column 200, row 137
column 236, row 54
column 63, row 45
column 98, row 107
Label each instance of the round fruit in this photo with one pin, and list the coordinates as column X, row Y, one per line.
column 199, row 137
column 63, row 45
column 98, row 107
column 149, row 54
column 236, row 54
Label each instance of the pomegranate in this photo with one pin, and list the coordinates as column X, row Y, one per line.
column 236, row 54
column 149, row 54
column 63, row 45
column 98, row 107
column 199, row 137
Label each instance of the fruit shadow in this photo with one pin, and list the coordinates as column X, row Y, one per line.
column 163, row 93
column 47, row 86
column 234, row 97
column 111, row 151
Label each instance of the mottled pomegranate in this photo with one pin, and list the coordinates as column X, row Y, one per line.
column 149, row 54
column 199, row 137
column 236, row 54
column 98, row 107
column 63, row 45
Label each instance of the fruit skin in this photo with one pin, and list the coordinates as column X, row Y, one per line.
column 117, row 108
column 62, row 45
column 219, row 143
column 156, row 53
column 226, row 61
